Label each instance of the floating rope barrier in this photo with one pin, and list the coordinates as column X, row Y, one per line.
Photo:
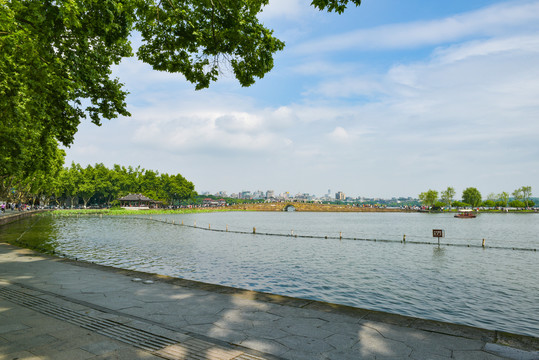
column 292, row 235
column 340, row 237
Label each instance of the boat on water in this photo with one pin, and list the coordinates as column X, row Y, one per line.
column 465, row 214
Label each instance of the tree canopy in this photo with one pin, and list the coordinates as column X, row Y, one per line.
column 429, row 198
column 471, row 196
column 96, row 184
column 448, row 195
column 523, row 194
column 56, row 58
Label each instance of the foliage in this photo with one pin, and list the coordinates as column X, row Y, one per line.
column 523, row 193
column 489, row 203
column 54, row 55
column 504, row 199
column 56, row 59
column 428, row 198
column 517, row 203
column 334, row 5
column 460, row 204
column 439, row 205
column 100, row 185
column 448, row 195
column 471, row 196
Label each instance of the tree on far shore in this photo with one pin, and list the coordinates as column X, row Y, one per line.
column 504, row 198
column 448, row 195
column 523, row 194
column 428, row 198
column 471, row 196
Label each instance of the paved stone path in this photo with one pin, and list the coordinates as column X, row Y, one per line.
column 60, row 309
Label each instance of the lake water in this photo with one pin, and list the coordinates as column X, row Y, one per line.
column 491, row 288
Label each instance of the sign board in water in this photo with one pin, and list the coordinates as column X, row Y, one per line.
column 438, row 233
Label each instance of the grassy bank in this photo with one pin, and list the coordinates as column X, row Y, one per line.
column 123, row 212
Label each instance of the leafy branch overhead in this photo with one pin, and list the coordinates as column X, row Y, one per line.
column 56, row 58
column 196, row 38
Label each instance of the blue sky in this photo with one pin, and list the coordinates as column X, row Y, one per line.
column 388, row 99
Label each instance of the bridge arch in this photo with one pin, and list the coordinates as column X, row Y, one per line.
column 289, row 207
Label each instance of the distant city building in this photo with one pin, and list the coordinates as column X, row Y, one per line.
column 303, row 197
column 271, row 196
column 245, row 195
column 258, row 195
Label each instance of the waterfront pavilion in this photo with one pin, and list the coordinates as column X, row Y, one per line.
column 137, row 202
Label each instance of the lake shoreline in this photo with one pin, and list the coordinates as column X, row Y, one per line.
column 518, row 341
column 360, row 260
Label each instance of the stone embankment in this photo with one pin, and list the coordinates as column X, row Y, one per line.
column 12, row 216
column 310, row 207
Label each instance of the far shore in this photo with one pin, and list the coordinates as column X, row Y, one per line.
column 262, row 207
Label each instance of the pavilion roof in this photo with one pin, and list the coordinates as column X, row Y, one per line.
column 135, row 197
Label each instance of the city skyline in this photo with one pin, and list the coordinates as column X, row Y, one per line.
column 337, row 195
column 388, row 99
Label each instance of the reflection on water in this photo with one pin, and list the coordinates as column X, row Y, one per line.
column 495, row 289
column 32, row 233
column 438, row 253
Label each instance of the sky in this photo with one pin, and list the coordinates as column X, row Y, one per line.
column 388, row 99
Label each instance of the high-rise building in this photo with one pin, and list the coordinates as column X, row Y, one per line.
column 339, row 195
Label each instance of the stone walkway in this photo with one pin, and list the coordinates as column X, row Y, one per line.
column 54, row 308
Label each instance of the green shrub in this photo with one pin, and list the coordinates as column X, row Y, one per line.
column 517, row 204
column 489, row 203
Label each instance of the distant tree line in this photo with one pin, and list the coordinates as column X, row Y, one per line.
column 94, row 185
column 521, row 198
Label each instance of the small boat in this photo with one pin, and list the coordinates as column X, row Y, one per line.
column 465, row 214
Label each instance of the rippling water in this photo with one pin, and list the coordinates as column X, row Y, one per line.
column 489, row 288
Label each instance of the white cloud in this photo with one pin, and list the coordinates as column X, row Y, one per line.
column 490, row 21
column 523, row 43
column 283, row 8
column 239, row 122
column 339, row 134
column 476, row 93
column 218, row 131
